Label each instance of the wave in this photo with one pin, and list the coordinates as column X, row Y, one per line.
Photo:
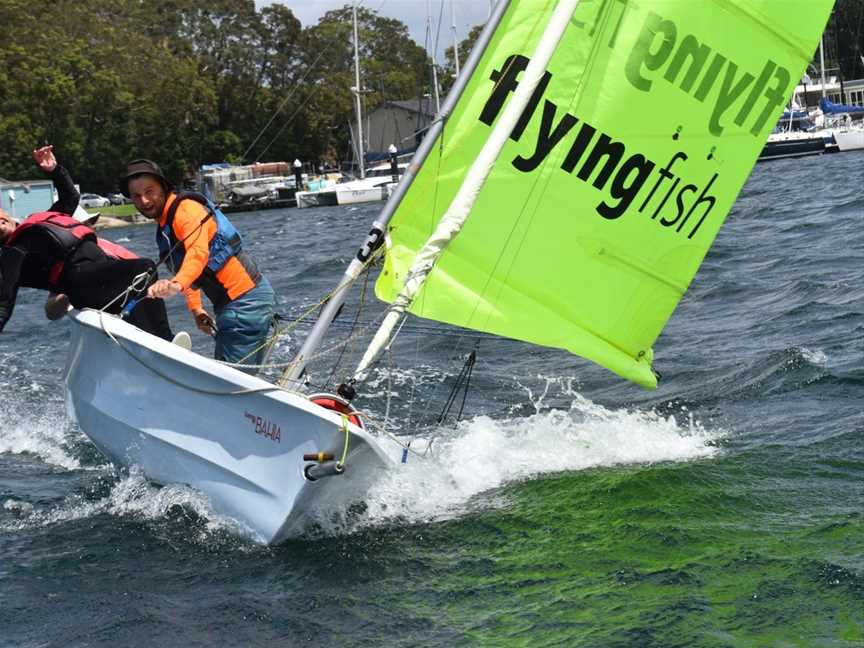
column 133, row 498
column 452, row 472
column 45, row 435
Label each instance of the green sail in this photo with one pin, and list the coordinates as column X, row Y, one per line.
column 612, row 187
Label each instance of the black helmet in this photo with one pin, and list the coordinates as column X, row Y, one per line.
column 141, row 167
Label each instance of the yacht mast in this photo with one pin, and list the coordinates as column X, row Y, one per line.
column 455, row 38
column 432, row 46
column 822, row 63
column 356, row 89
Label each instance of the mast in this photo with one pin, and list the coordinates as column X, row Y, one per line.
column 379, row 226
column 822, row 63
column 356, row 90
column 455, row 38
column 453, row 219
column 432, row 48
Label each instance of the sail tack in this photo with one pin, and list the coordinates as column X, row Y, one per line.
column 615, row 178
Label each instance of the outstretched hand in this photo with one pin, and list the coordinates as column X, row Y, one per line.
column 44, row 157
column 164, row 288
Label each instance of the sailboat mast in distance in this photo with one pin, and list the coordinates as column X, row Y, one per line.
column 455, row 37
column 358, row 146
column 432, row 45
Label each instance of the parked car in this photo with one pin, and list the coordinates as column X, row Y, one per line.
column 118, row 199
column 93, row 200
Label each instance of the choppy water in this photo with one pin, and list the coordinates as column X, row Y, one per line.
column 567, row 509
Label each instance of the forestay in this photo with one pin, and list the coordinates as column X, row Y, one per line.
column 616, row 177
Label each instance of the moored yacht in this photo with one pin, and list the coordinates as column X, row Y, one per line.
column 376, row 186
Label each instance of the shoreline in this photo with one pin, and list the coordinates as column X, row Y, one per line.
column 110, row 222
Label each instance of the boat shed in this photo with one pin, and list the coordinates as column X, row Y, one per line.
column 400, row 123
column 20, row 198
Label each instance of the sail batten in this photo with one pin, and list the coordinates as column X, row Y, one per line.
column 630, row 148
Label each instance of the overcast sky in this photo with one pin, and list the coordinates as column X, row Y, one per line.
column 411, row 12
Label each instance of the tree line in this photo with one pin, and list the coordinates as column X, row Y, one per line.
column 186, row 82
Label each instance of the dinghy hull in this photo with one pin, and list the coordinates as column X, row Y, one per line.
column 188, row 419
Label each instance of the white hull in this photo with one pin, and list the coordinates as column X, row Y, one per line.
column 343, row 196
column 323, row 198
column 849, row 140
column 183, row 427
column 355, row 196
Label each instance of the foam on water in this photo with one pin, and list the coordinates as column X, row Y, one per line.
column 133, row 497
column 817, row 358
column 43, row 435
column 484, row 454
column 476, row 458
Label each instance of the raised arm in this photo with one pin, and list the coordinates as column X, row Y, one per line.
column 67, row 195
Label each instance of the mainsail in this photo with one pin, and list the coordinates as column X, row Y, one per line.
column 587, row 229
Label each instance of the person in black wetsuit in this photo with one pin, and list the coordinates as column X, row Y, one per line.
column 51, row 251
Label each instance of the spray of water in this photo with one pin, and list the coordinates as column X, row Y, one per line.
column 485, row 453
column 44, row 435
column 132, row 497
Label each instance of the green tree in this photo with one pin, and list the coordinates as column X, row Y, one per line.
column 465, row 47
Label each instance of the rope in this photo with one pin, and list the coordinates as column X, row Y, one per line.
column 133, row 287
column 148, row 274
column 463, row 377
column 212, row 392
column 341, row 462
column 351, row 335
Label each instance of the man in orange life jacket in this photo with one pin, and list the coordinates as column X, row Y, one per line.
column 53, row 251
column 205, row 251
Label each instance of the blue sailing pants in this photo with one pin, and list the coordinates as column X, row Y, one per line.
column 243, row 325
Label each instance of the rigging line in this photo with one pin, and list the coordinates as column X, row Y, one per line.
column 455, row 348
column 338, row 360
column 173, row 381
column 372, row 257
column 337, row 345
column 413, row 328
column 162, row 260
column 389, row 387
column 282, row 105
column 269, row 341
column 464, row 377
column 285, row 101
column 287, row 123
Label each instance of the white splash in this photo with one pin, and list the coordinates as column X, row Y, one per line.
column 816, row 357
column 42, row 435
column 133, row 497
column 477, row 458
column 485, row 454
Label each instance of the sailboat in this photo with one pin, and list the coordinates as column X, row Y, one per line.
column 575, row 179
column 375, row 187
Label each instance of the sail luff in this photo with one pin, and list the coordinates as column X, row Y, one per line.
column 337, row 297
column 455, row 216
